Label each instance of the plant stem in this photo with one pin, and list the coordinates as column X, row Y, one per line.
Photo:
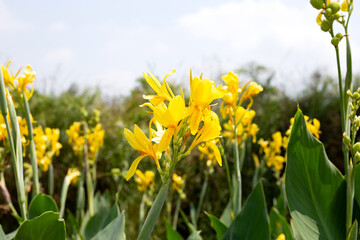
column 51, row 179
column 237, row 184
column 202, row 195
column 32, row 145
column 88, row 178
column 80, row 198
column 177, row 209
column 64, row 192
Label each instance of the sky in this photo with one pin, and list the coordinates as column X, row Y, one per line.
column 108, row 44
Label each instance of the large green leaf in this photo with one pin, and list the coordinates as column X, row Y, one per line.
column 252, row 223
column 40, row 204
column 114, row 230
column 278, row 224
column 217, row 225
column 44, row 227
column 226, row 215
column 154, row 213
column 315, row 189
column 171, row 234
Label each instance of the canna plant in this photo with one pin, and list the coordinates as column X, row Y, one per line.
column 320, row 198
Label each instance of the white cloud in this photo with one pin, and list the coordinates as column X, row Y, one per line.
column 10, row 22
column 60, row 55
column 58, row 26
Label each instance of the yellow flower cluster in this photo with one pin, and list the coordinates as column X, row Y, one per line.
column 94, row 137
column 3, row 132
column 273, row 149
column 17, row 82
column 333, row 7
column 179, row 184
column 231, row 108
column 174, row 120
column 144, row 180
column 73, row 175
column 95, row 140
column 47, row 146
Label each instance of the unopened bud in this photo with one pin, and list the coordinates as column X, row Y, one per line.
column 356, row 148
column 346, row 139
column 335, row 41
column 357, row 158
column 328, row 11
column 356, row 95
column 325, row 25
column 335, row 6
column 318, row 4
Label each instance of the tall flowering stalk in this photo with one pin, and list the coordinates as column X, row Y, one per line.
column 332, row 12
column 177, row 123
column 17, row 83
column 238, row 127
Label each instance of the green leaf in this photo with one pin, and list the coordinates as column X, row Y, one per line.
column 40, row 204
column 295, row 231
column 114, row 230
column 44, row 227
column 154, row 213
column 2, row 234
column 217, row 225
column 315, row 188
column 252, row 223
column 279, row 224
column 114, row 212
column 226, row 215
column 171, row 234
column 102, row 215
column 353, row 232
column 195, row 236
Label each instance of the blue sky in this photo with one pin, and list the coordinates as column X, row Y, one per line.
column 108, row 44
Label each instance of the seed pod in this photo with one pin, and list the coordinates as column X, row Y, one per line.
column 346, row 139
column 328, row 11
column 335, row 41
column 325, row 25
column 357, row 157
column 356, row 148
column 356, row 95
column 318, row 4
column 335, row 6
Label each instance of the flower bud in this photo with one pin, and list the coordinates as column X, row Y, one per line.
column 346, row 139
column 356, row 148
column 318, row 4
column 325, row 25
column 339, row 35
column 357, row 157
column 356, row 95
column 335, row 6
column 328, row 11
column 335, row 41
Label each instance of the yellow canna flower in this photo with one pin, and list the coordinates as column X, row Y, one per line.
column 8, row 76
column 178, row 182
column 144, row 180
column 281, row 237
column 95, row 139
column 24, row 80
column 253, row 90
column 169, row 118
column 210, row 131
column 3, row 131
column 277, row 141
column 203, row 92
column 344, row 6
column 73, row 175
column 232, row 82
column 141, row 143
column 163, row 92
column 253, row 131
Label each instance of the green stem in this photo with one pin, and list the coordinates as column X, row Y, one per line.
column 202, row 195
column 64, row 192
column 51, row 179
column 88, row 178
column 176, row 214
column 237, row 184
column 18, row 181
column 142, row 211
column 7, row 198
column 32, row 145
column 80, row 198
column 228, row 175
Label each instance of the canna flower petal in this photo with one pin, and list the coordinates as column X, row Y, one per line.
column 166, row 139
column 133, row 166
column 216, row 151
